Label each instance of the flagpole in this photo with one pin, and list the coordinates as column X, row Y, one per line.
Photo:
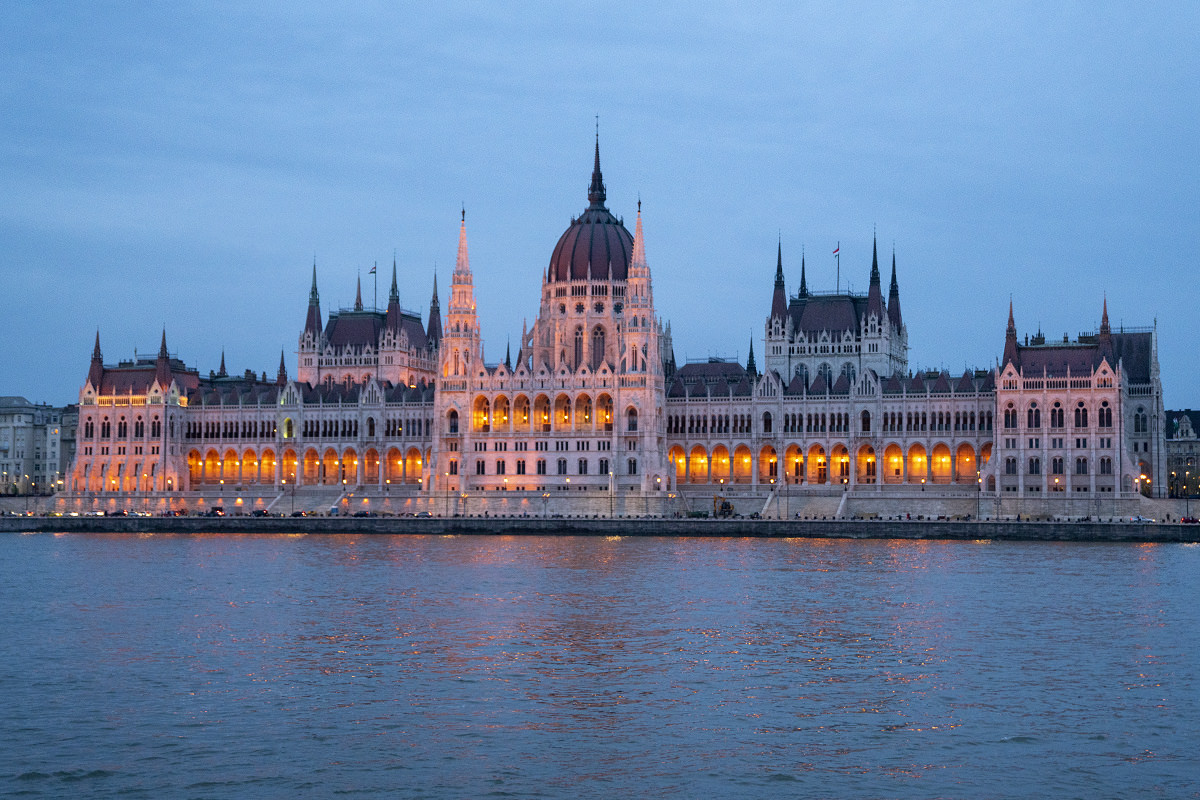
column 837, row 254
column 375, row 275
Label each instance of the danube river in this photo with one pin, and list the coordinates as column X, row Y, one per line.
column 527, row 667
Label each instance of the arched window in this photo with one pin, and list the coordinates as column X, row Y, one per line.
column 848, row 371
column 598, row 339
column 371, row 427
column 1010, row 417
column 866, row 422
column 825, row 371
column 1034, row 416
column 578, row 347
column 287, row 428
column 1104, row 416
column 1056, row 416
column 802, row 373
column 452, row 419
column 766, row 421
column 1081, row 466
column 122, row 428
column 631, row 420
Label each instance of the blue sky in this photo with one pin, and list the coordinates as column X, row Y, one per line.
column 181, row 164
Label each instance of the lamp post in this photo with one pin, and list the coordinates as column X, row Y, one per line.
column 978, row 494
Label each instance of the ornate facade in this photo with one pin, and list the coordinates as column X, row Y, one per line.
column 593, row 402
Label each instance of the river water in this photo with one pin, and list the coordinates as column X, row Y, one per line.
column 528, row 667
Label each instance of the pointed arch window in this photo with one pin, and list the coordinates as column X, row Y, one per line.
column 598, row 346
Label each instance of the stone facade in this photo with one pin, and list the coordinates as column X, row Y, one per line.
column 594, row 410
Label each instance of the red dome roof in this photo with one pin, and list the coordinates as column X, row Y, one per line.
column 596, row 246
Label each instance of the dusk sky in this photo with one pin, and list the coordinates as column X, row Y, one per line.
column 174, row 165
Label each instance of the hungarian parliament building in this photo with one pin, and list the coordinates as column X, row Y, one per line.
column 388, row 408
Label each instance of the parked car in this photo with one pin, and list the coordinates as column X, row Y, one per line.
column 1140, row 518
column 1189, row 520
column 260, row 512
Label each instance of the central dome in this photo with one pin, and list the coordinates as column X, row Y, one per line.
column 596, row 246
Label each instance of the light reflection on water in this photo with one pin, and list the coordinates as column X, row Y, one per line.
column 216, row 666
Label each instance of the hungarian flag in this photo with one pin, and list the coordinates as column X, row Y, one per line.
column 837, row 249
column 372, row 272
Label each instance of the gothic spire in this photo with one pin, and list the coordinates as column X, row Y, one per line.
column 751, row 367
column 96, row 370
column 596, row 193
column 638, row 260
column 779, row 295
column 803, row 280
column 462, row 263
column 358, row 295
column 1010, row 340
column 875, row 293
column 221, row 373
column 394, row 295
column 779, row 263
column 1105, row 337
column 433, row 330
column 893, row 306
column 281, row 376
column 162, row 365
column 313, row 322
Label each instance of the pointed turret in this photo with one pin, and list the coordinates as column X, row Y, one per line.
column 358, row 306
column 779, row 296
column 162, row 365
column 281, row 376
column 893, row 307
column 751, row 367
column 508, row 356
column 1010, row 340
column 313, row 323
column 221, row 373
column 875, row 293
column 433, row 331
column 96, row 370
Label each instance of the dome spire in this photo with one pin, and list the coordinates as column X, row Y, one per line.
column 596, row 193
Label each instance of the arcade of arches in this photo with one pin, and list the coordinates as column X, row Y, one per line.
column 307, row 467
column 796, row 465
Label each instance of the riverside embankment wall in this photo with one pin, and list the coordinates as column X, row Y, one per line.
column 578, row 526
